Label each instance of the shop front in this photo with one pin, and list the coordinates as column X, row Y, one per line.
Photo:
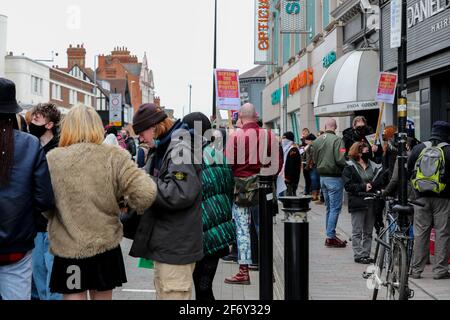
column 288, row 98
column 348, row 87
column 428, row 29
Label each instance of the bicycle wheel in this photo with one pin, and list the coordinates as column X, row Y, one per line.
column 397, row 278
column 379, row 267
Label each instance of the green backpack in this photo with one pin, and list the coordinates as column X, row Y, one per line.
column 429, row 169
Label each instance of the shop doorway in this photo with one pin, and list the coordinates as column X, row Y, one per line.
column 371, row 117
column 441, row 99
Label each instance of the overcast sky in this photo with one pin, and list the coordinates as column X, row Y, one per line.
column 176, row 34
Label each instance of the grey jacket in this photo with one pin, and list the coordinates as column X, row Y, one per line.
column 171, row 230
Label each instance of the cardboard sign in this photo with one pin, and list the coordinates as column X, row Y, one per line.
column 372, row 139
column 387, row 85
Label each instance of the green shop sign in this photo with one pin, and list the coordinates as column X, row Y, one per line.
column 329, row 59
column 276, row 97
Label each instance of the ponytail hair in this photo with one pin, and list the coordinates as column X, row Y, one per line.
column 8, row 123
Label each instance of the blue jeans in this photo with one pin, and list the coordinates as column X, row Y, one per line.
column 315, row 180
column 242, row 218
column 15, row 280
column 42, row 269
column 333, row 192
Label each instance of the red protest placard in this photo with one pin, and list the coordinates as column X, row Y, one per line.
column 387, row 85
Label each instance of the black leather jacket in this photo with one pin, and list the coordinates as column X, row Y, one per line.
column 28, row 194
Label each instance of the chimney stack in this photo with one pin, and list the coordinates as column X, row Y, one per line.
column 76, row 56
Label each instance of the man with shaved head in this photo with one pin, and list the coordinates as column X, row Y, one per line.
column 329, row 155
column 250, row 151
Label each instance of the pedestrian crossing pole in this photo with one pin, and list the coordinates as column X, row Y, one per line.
column 402, row 102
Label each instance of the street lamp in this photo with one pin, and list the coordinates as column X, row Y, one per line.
column 215, row 61
column 190, row 98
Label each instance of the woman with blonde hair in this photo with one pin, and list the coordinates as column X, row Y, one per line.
column 84, row 230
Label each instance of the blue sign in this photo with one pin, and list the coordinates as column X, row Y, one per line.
column 329, row 59
column 276, row 97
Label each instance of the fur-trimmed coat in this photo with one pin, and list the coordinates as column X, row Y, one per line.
column 89, row 180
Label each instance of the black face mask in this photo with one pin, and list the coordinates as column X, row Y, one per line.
column 361, row 131
column 365, row 157
column 37, row 131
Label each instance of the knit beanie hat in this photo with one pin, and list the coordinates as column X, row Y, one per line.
column 191, row 118
column 147, row 116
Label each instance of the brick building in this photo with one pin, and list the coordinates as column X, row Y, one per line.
column 124, row 71
column 75, row 83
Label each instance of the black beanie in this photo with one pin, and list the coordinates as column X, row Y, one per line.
column 147, row 116
column 441, row 131
column 191, row 118
column 310, row 137
column 289, row 135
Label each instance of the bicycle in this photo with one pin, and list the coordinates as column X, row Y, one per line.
column 393, row 251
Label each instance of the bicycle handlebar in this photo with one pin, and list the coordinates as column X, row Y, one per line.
column 379, row 195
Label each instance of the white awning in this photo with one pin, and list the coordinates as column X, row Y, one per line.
column 349, row 85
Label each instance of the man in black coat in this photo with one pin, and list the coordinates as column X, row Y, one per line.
column 292, row 160
column 358, row 133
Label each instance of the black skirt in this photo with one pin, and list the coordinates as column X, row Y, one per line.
column 102, row 272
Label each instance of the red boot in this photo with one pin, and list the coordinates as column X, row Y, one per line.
column 242, row 277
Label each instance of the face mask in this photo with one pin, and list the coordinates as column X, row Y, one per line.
column 365, row 157
column 285, row 142
column 360, row 131
column 37, row 131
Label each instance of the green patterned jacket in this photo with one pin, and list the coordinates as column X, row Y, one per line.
column 219, row 230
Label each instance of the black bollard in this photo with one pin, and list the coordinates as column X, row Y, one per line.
column 265, row 238
column 296, row 247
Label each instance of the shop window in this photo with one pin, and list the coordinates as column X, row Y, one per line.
column 414, row 111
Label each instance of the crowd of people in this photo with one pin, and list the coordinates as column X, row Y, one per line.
column 186, row 195
column 355, row 165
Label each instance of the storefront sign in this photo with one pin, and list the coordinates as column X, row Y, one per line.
column 262, row 43
column 293, row 16
column 276, row 97
column 444, row 23
column 345, row 108
column 115, row 110
column 329, row 59
column 304, row 79
column 227, row 89
column 425, row 9
column 387, row 84
column 396, row 23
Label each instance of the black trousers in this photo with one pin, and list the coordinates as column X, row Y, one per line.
column 204, row 273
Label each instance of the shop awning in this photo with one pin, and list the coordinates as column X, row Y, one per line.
column 348, row 85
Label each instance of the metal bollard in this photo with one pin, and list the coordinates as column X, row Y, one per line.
column 265, row 238
column 296, row 247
